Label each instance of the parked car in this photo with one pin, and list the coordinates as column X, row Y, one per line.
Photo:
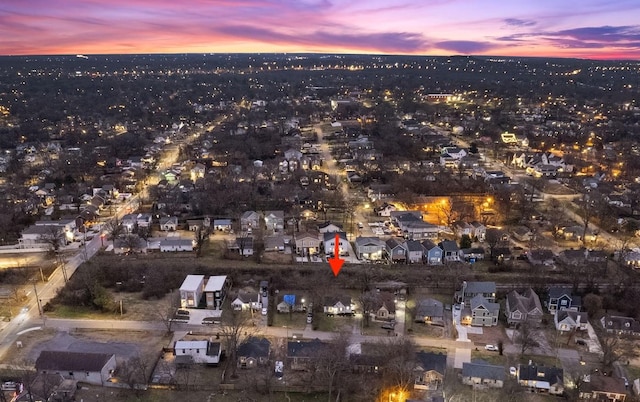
column 491, row 348
column 389, row 325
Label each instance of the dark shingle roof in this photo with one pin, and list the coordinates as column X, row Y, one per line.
column 254, row 347
column 71, row 361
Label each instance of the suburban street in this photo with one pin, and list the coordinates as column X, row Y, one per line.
column 32, row 314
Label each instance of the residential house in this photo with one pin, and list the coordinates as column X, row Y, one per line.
column 567, row 320
column 223, row 225
column 191, row 291
column 472, row 289
column 337, row 305
column 473, row 254
column 197, row 352
column 521, row 307
column 129, row 222
column 249, row 220
column 301, row 355
column 291, row 302
column 539, row 378
column 130, row 244
column 461, row 228
column 395, row 251
column 171, row 244
column 169, row 223
column 274, row 220
column 197, row 171
column 543, row 257
column 522, row 233
column 620, row 325
column 195, row 224
column 369, row 248
column 243, row 245
column 631, row 259
column 246, row 300
column 385, row 209
column 143, row 220
column 573, row 257
column 603, row 388
column 329, row 242
column 46, row 387
column 482, row 374
column 384, row 306
column 92, row 368
column 451, row 251
column 432, row 253
column 562, row 299
column 277, row 243
column 307, row 243
column 253, row 352
column 429, row 311
column 429, row 371
column 479, row 230
column 215, row 291
column 400, row 217
column 419, row 230
column 41, row 237
column 328, row 227
column 415, row 251
column 481, row 312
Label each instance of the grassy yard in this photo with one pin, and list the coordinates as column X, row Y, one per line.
column 297, row 321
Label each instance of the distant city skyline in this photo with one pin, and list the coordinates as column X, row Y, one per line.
column 593, row 29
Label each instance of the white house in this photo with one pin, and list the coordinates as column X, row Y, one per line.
column 191, row 291
column 199, row 352
column 175, row 244
column 169, row 223
column 92, row 368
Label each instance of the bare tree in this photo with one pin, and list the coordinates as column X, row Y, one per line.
column 113, row 228
column 53, row 236
column 133, row 372
column 368, row 301
column 493, row 238
column 399, row 353
column 236, row 326
column 202, row 235
column 614, row 348
column 333, row 362
column 526, row 337
column 586, row 212
column 166, row 311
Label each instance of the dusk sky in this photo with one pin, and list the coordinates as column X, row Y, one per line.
column 600, row 29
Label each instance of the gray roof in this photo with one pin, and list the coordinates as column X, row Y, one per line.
column 309, row 349
column 432, row 361
column 480, row 301
column 414, row 245
column 365, row 241
column 480, row 369
column 480, row 287
column 449, row 245
column 429, row 308
column 525, row 302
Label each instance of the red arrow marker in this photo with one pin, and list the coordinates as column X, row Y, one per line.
column 336, row 262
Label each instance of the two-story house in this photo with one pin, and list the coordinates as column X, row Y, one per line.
column 480, row 312
column 562, row 299
column 307, row 243
column 432, row 253
column 415, row 251
column 329, row 242
column 451, row 251
column 521, row 307
column 395, row 251
column 369, row 248
column 472, row 289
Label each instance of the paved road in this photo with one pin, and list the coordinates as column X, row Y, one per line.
column 47, row 290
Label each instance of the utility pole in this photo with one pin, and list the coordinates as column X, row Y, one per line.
column 35, row 290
